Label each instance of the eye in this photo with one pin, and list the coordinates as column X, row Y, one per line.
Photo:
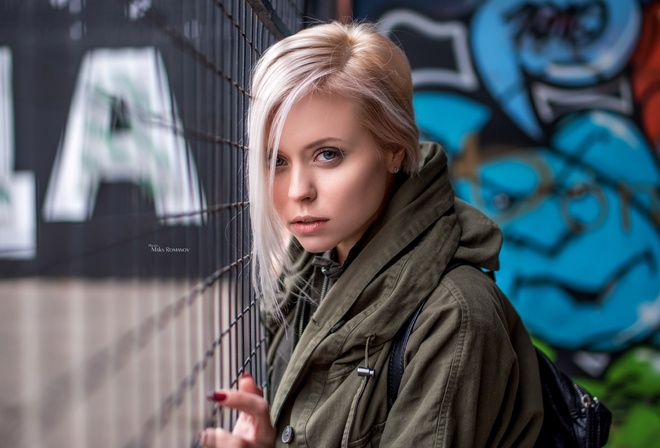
column 326, row 155
column 279, row 160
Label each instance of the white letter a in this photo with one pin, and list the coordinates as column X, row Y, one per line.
column 124, row 126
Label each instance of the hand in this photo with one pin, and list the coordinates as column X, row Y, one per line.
column 253, row 428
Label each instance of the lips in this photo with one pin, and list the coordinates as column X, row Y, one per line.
column 307, row 224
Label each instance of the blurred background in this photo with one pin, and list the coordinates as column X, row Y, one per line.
column 124, row 234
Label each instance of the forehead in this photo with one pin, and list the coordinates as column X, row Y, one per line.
column 320, row 115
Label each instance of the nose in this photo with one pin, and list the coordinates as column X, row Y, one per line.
column 301, row 185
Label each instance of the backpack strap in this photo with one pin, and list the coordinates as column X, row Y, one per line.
column 396, row 365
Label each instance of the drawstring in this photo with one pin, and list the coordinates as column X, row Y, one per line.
column 365, row 373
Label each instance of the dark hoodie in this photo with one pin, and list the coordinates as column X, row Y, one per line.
column 471, row 377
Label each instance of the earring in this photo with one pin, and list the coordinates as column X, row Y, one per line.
column 396, row 170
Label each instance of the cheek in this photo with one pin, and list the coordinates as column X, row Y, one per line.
column 279, row 196
column 365, row 194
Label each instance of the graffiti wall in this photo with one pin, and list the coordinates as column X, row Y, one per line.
column 550, row 113
column 122, row 132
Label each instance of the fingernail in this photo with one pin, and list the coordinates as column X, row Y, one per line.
column 216, row 396
column 246, row 375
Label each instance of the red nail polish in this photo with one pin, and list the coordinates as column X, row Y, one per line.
column 246, row 375
column 216, row 396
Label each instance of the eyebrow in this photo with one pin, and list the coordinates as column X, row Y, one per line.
column 315, row 144
column 323, row 141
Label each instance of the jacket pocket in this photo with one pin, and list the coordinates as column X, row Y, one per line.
column 371, row 440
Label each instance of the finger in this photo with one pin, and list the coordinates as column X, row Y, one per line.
column 248, row 402
column 219, row 438
column 247, row 384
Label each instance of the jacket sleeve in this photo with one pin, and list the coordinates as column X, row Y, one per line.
column 471, row 378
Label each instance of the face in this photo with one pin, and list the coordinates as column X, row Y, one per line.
column 331, row 180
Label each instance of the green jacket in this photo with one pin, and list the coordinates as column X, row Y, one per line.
column 471, row 377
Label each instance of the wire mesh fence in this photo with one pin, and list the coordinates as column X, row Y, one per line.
column 124, row 236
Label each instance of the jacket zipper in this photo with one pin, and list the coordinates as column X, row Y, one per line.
column 324, row 288
column 588, row 402
column 585, row 399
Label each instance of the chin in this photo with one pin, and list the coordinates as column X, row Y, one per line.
column 315, row 247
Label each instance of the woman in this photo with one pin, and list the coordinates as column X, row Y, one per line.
column 354, row 222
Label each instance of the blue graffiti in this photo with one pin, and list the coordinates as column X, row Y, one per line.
column 448, row 118
column 563, row 42
column 580, row 211
column 576, row 25
column 581, row 259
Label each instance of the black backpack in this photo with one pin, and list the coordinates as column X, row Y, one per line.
column 572, row 417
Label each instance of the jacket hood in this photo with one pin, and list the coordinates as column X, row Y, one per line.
column 428, row 198
column 400, row 264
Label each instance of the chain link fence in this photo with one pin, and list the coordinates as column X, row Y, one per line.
column 125, row 289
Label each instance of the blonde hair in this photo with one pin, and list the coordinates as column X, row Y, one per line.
column 351, row 61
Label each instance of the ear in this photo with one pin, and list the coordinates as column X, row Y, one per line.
column 396, row 160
